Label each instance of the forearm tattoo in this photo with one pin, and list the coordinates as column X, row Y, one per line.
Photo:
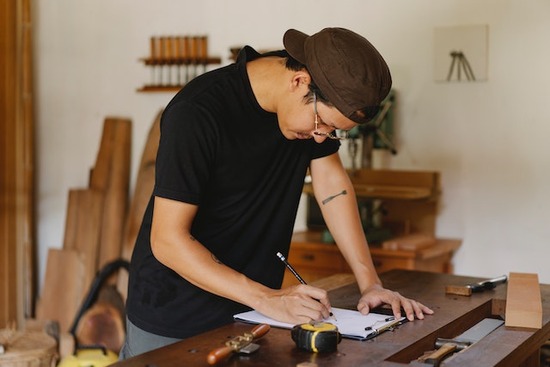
column 343, row 192
column 216, row 260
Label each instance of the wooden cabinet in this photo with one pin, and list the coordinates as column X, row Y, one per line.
column 315, row 259
column 409, row 200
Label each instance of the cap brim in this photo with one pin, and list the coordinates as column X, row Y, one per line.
column 294, row 41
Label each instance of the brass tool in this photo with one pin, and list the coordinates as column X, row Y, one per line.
column 240, row 344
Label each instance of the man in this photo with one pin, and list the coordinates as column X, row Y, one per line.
column 235, row 146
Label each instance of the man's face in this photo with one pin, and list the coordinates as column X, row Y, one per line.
column 297, row 121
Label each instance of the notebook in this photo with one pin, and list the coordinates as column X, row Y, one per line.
column 351, row 324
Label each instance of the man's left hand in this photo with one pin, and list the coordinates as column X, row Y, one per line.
column 377, row 295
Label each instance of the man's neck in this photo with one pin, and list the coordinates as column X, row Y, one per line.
column 266, row 76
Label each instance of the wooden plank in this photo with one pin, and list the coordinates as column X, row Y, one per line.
column 63, row 287
column 71, row 220
column 142, row 193
column 83, row 226
column 17, row 229
column 143, row 188
column 523, row 301
column 111, row 175
column 27, row 161
column 99, row 177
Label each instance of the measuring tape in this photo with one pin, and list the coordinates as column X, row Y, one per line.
column 317, row 337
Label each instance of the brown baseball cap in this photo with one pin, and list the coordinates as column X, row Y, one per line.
column 346, row 67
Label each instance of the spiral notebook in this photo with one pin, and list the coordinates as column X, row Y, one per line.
column 351, row 324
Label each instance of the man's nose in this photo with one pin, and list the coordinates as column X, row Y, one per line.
column 319, row 136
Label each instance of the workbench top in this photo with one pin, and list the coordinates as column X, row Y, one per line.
column 453, row 315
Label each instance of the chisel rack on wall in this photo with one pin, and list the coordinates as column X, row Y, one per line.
column 175, row 60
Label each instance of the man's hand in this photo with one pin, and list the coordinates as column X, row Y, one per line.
column 377, row 295
column 296, row 304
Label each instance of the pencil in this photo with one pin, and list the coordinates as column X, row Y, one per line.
column 295, row 273
column 283, row 259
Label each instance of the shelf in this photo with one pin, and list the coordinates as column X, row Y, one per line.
column 160, row 88
column 166, row 82
column 181, row 61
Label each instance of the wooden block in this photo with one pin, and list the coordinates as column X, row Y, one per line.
column 523, row 301
column 458, row 290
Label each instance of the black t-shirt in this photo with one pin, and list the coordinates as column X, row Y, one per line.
column 221, row 151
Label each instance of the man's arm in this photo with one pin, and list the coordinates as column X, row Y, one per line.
column 330, row 180
column 174, row 246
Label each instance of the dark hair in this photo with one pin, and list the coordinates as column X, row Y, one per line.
column 293, row 64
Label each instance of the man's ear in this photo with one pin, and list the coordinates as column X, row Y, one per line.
column 300, row 79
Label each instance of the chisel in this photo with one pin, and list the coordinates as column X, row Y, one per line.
column 467, row 290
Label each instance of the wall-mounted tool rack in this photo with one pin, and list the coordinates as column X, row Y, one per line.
column 175, row 60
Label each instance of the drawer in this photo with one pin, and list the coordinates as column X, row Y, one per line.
column 385, row 263
column 328, row 261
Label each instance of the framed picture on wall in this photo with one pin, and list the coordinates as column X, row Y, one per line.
column 461, row 53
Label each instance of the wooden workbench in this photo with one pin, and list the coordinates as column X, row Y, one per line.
column 453, row 315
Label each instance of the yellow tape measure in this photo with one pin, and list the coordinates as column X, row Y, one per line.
column 316, row 337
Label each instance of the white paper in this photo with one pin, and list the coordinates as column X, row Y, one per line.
column 351, row 324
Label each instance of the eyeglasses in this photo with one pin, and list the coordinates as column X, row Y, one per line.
column 336, row 134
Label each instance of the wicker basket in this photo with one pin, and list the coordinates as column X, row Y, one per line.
column 27, row 349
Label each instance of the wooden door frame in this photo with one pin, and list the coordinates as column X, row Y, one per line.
column 17, row 224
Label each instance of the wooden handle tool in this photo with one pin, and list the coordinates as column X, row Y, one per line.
column 467, row 290
column 237, row 344
column 444, row 351
column 446, row 347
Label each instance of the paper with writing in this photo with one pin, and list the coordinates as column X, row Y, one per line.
column 351, row 324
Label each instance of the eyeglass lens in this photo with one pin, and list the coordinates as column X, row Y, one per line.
column 337, row 134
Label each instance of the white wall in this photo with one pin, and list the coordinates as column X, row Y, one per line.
column 488, row 139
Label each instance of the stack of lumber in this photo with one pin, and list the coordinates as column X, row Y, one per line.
column 101, row 227
column 93, row 228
